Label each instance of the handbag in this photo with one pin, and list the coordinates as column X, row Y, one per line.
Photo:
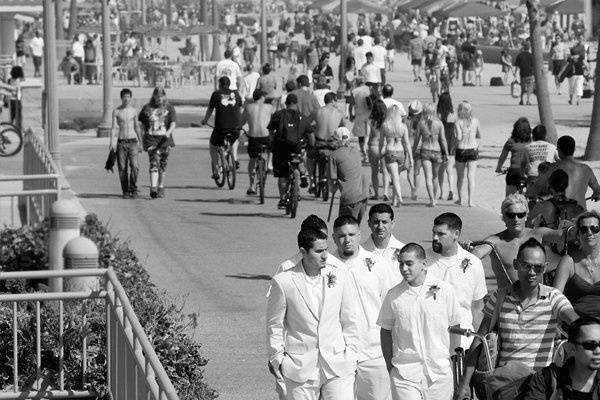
column 515, row 89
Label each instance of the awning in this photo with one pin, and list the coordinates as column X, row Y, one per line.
column 358, row 7
column 568, row 7
column 472, row 9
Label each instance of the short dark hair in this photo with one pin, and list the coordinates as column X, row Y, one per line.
column 239, row 41
column 414, row 248
column 521, row 132
column 290, row 86
column 291, row 99
column 224, row 82
column 558, row 180
column 381, row 208
column 303, row 81
column 16, row 72
column 126, row 91
column 345, row 220
column 539, row 132
column 313, row 222
column 574, row 331
column 452, row 220
column 307, row 237
column 329, row 97
column 257, row 94
column 531, row 243
column 324, row 56
column 266, row 69
column 369, row 54
column 228, row 53
column 566, row 145
column 387, row 90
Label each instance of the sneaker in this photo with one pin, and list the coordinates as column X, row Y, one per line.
column 450, row 196
column 126, row 195
column 386, row 198
column 521, row 103
column 161, row 192
column 281, row 204
column 250, row 192
column 237, row 165
column 153, row 193
column 134, row 195
column 303, row 181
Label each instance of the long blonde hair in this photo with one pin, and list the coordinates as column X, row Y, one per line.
column 392, row 124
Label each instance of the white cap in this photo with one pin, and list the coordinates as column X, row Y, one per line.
column 341, row 134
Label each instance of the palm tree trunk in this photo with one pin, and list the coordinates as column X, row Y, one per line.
column 592, row 149
column 216, row 48
column 72, row 18
column 541, row 81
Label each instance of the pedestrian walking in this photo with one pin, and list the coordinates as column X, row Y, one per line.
column 158, row 120
column 516, row 146
column 445, row 112
column 524, row 67
column 467, row 131
column 127, row 136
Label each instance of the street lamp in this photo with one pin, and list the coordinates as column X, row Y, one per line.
column 50, row 87
column 105, row 126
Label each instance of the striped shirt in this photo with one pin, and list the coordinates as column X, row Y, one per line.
column 527, row 335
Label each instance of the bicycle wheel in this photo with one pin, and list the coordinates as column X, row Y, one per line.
column 323, row 183
column 219, row 174
column 261, row 177
column 230, row 170
column 295, row 193
column 11, row 140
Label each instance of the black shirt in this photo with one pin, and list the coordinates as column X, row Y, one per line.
column 524, row 62
column 227, row 105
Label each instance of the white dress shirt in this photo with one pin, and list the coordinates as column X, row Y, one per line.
column 370, row 275
column 464, row 272
column 419, row 321
column 389, row 256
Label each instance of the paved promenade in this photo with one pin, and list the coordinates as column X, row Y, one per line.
column 217, row 248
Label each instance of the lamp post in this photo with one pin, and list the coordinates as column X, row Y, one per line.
column 343, row 42
column 50, row 86
column 58, row 12
column 105, row 126
column 216, row 54
column 263, row 32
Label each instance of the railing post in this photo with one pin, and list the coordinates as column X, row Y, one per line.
column 64, row 226
column 81, row 252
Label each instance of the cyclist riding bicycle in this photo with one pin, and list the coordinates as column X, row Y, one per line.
column 227, row 106
column 289, row 130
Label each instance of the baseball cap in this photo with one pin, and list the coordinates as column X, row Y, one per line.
column 415, row 107
column 340, row 134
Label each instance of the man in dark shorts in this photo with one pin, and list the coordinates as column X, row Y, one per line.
column 524, row 64
column 227, row 105
column 286, row 142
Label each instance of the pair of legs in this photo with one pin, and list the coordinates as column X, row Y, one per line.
column 431, row 169
column 469, row 167
column 575, row 89
column 158, row 165
column 446, row 170
column 372, row 380
column 128, row 165
column 336, row 388
column 403, row 389
column 526, row 89
column 414, row 176
column 375, row 159
column 394, row 173
column 416, row 67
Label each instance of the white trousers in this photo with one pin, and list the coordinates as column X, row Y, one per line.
column 441, row 389
column 372, row 380
column 280, row 388
column 337, row 388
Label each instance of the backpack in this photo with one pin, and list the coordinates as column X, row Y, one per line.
column 566, row 210
column 289, row 127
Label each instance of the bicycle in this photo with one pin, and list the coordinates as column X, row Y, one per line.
column 292, row 192
column 11, row 139
column 260, row 171
column 321, row 176
column 225, row 168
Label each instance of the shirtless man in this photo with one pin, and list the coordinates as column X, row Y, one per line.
column 126, row 130
column 506, row 243
column 257, row 114
column 362, row 111
column 327, row 119
column 581, row 175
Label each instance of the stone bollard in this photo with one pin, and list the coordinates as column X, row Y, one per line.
column 64, row 226
column 80, row 253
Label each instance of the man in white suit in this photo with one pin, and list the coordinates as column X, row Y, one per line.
column 372, row 280
column 312, row 330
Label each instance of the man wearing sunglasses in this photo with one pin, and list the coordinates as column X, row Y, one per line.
column 528, row 313
column 504, row 244
column 578, row 377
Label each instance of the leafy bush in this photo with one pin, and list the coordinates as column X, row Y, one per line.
column 166, row 326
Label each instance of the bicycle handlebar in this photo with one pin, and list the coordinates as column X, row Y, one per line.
column 460, row 331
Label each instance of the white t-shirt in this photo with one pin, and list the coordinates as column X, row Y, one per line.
column 464, row 272
column 230, row 69
column 371, row 73
column 37, row 46
column 379, row 53
column 367, row 42
column 389, row 103
column 77, row 48
column 237, row 55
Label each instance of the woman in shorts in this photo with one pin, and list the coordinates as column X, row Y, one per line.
column 415, row 112
column 467, row 133
column 375, row 146
column 434, row 149
column 445, row 112
column 396, row 154
column 350, row 82
column 516, row 146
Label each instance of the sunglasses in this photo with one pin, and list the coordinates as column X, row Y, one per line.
column 589, row 345
column 512, row 215
column 537, row 268
column 591, row 229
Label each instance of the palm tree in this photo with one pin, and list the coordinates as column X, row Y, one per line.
column 541, row 82
column 72, row 18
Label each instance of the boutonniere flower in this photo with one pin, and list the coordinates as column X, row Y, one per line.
column 369, row 263
column 464, row 264
column 331, row 280
column 433, row 289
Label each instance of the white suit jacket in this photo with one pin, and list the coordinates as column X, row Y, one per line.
column 297, row 334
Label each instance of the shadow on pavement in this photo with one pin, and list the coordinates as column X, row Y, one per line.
column 230, row 201
column 259, row 277
column 261, row 215
column 194, row 187
column 100, row 196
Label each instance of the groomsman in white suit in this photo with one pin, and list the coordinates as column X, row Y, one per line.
column 372, row 278
column 312, row 329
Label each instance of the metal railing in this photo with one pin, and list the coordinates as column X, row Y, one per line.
column 133, row 370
